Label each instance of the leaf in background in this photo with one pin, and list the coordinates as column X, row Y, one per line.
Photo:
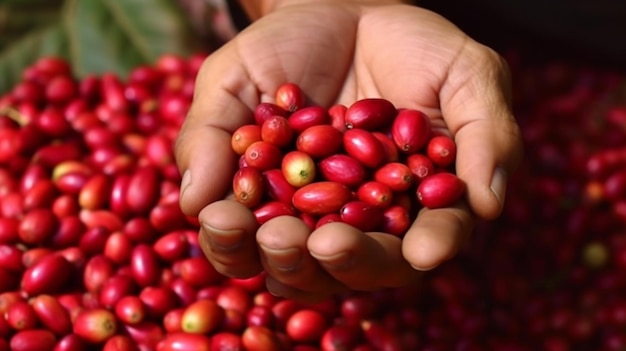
column 115, row 35
column 50, row 40
column 28, row 29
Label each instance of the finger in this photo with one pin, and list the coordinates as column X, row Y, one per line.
column 436, row 236
column 227, row 238
column 203, row 153
column 476, row 106
column 361, row 261
column 284, row 255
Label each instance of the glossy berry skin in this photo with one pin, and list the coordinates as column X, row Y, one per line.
column 440, row 190
column 290, row 97
column 411, row 130
column 441, row 150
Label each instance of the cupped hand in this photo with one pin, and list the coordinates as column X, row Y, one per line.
column 340, row 53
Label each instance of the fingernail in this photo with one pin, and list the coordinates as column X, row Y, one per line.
column 282, row 259
column 223, row 240
column 339, row 261
column 498, row 184
column 185, row 182
column 424, row 269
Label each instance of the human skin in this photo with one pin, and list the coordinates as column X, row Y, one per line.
column 339, row 52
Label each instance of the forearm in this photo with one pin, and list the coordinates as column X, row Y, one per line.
column 256, row 9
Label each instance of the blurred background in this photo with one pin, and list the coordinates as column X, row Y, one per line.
column 576, row 30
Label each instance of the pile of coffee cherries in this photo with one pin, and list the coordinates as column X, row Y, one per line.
column 369, row 164
column 95, row 253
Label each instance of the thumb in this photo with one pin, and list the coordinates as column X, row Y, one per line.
column 476, row 105
column 222, row 99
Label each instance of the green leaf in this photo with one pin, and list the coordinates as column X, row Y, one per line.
column 115, row 35
column 96, row 36
column 49, row 40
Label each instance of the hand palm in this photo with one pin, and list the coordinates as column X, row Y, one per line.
column 353, row 45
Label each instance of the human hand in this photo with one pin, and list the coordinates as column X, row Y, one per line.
column 340, row 52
